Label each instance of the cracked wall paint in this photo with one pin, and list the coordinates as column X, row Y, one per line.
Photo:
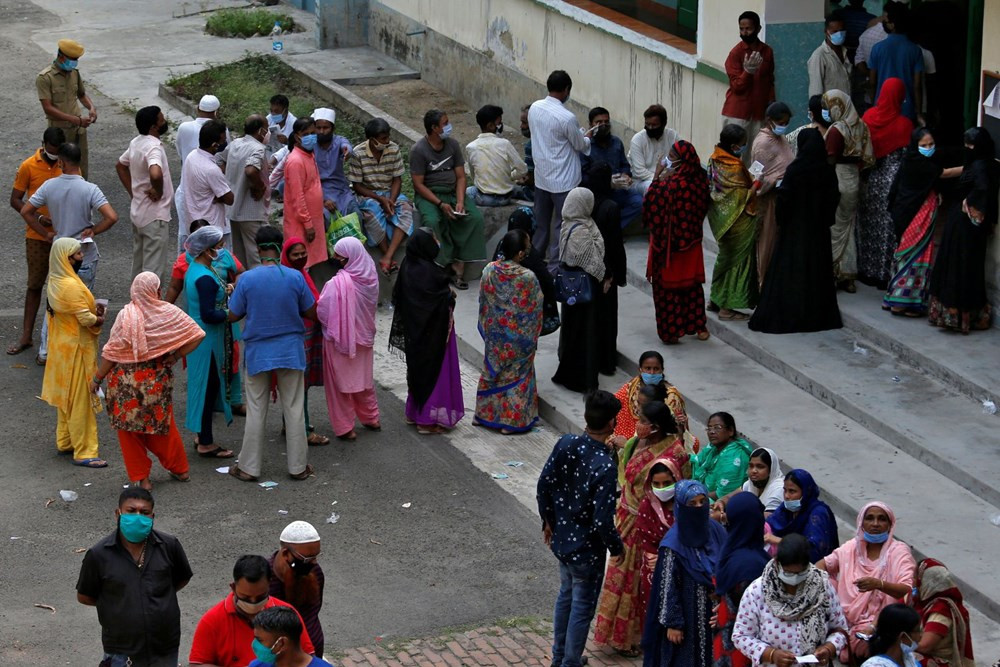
column 500, row 43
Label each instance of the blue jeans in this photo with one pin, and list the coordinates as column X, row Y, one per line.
column 630, row 203
column 488, row 200
column 579, row 588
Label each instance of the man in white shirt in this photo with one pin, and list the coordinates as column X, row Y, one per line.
column 648, row 148
column 187, row 141
column 247, row 170
column 206, row 190
column 556, row 139
column 144, row 171
column 829, row 68
column 496, row 165
column 869, row 38
column 280, row 122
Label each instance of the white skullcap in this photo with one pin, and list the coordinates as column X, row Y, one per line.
column 299, row 532
column 209, row 103
column 323, row 113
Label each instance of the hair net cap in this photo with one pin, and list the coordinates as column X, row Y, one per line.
column 202, row 239
column 299, row 532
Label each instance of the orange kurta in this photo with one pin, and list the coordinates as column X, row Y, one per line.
column 304, row 203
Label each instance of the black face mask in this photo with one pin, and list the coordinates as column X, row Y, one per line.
column 760, row 484
column 526, row 133
column 300, row 567
column 749, row 39
column 324, row 139
column 298, row 263
column 163, row 129
column 605, row 130
column 655, row 134
column 76, row 264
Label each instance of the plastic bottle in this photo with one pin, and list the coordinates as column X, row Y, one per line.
column 277, row 46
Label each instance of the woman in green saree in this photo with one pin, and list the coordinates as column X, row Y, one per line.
column 733, row 218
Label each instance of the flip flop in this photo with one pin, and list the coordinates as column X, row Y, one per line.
column 240, row 475
column 459, row 283
column 373, row 427
column 39, row 361
column 90, row 463
column 305, row 474
column 317, row 440
column 350, row 436
column 180, row 478
column 735, row 316
column 217, row 453
column 18, row 348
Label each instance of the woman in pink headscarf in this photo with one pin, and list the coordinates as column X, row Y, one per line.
column 148, row 337
column 346, row 309
column 870, row 572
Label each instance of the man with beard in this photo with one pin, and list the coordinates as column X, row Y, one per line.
column 71, row 200
column 331, row 153
column 297, row 578
column 145, row 173
column 750, row 68
column 648, row 148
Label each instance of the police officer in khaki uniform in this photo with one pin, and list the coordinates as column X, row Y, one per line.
column 61, row 92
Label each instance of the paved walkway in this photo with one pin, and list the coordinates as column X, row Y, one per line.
column 528, row 645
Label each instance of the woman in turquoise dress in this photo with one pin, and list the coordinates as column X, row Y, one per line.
column 210, row 367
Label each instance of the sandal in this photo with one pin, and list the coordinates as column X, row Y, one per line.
column 180, row 477
column 90, row 463
column 240, row 475
column 629, row 652
column 18, row 348
column 350, row 436
column 143, row 484
column 430, row 430
column 733, row 316
column 373, row 427
column 305, row 474
column 317, row 440
column 217, row 453
column 39, row 361
column 459, row 284
column 703, row 335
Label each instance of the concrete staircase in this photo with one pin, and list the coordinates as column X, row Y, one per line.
column 887, row 408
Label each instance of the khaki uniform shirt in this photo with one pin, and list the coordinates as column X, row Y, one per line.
column 64, row 89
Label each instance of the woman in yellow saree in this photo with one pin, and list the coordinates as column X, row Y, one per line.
column 74, row 324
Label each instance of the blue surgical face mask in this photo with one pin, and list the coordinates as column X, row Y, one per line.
column 739, row 151
column 275, row 118
column 837, row 38
column 263, row 653
column 309, row 142
column 793, row 505
column 135, row 527
column 780, row 129
column 907, row 647
column 926, row 151
column 875, row 538
column 67, row 65
column 826, row 115
column 446, row 130
column 651, row 378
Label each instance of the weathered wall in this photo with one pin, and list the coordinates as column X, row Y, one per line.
column 501, row 51
column 341, row 23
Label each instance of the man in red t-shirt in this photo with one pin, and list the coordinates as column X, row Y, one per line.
column 750, row 68
column 224, row 635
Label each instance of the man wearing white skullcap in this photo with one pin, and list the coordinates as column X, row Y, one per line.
column 298, row 579
column 332, row 152
column 187, row 141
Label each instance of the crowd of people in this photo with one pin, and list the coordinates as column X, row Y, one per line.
column 717, row 558
column 715, row 552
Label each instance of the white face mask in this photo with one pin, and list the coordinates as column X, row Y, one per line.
column 793, row 579
column 665, row 494
column 50, row 156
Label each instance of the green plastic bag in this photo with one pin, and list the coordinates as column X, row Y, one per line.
column 342, row 226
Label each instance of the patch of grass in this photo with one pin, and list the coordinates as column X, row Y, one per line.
column 245, row 87
column 247, row 22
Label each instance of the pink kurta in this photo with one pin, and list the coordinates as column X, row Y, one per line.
column 304, row 203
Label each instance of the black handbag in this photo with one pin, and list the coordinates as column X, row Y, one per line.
column 573, row 285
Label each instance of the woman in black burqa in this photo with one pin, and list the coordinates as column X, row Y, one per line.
column 799, row 295
column 423, row 330
column 958, row 279
column 607, row 215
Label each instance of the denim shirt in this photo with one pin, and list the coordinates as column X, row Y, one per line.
column 576, row 497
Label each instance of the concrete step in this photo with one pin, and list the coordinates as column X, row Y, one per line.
column 885, row 393
column 936, row 515
column 957, row 361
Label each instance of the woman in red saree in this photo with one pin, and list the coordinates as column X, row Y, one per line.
column 946, row 641
column 619, row 621
column 674, row 209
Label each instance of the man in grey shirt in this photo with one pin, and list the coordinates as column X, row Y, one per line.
column 247, row 170
column 71, row 202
